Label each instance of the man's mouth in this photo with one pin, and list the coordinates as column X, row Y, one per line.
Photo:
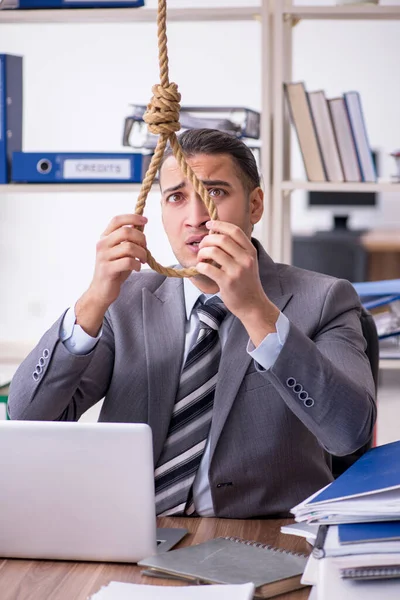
column 194, row 242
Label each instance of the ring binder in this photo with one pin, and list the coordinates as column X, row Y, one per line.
column 371, row 573
column 255, row 544
column 233, row 560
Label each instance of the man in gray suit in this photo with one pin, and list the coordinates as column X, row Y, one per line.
column 293, row 386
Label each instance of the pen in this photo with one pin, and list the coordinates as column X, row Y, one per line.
column 318, row 550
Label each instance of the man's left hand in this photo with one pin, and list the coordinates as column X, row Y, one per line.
column 237, row 278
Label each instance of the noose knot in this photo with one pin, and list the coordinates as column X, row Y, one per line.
column 162, row 114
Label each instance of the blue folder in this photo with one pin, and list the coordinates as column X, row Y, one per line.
column 386, row 287
column 377, row 470
column 356, row 533
column 78, row 167
column 35, row 4
column 10, row 111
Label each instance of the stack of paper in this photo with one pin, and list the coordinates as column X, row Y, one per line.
column 127, row 591
column 359, row 557
column 368, row 491
column 385, row 296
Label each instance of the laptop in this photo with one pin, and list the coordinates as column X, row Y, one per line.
column 78, row 491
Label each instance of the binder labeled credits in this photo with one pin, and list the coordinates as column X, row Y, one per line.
column 34, row 4
column 74, row 167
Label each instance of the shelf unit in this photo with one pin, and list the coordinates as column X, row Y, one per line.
column 71, row 188
column 284, row 16
column 128, row 15
column 259, row 13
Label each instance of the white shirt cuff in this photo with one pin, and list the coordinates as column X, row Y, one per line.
column 266, row 354
column 74, row 338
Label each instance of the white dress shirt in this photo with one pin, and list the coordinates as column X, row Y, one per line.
column 77, row 341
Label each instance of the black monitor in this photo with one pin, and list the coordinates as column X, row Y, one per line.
column 339, row 201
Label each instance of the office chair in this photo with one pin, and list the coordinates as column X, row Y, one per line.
column 341, row 463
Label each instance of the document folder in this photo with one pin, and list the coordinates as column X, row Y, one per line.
column 74, row 167
column 37, row 4
column 10, row 111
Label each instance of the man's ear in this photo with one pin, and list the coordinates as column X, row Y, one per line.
column 256, row 205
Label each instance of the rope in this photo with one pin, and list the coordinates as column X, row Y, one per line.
column 162, row 118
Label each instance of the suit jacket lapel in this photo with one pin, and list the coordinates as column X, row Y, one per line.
column 235, row 359
column 164, row 338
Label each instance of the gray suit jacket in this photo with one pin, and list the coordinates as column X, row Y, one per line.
column 268, row 449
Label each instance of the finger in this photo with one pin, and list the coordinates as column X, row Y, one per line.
column 223, row 241
column 213, row 272
column 232, row 231
column 224, row 260
column 124, row 265
column 120, row 220
column 123, row 234
column 128, row 250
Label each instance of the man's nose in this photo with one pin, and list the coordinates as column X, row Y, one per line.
column 197, row 213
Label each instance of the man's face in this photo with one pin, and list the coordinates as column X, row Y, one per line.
column 184, row 214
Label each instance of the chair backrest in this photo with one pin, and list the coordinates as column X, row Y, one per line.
column 341, row 463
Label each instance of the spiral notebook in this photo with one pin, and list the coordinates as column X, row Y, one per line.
column 232, row 560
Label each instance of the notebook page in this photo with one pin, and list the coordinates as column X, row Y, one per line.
column 126, row 591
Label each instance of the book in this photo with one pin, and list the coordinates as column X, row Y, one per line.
column 326, row 136
column 361, row 533
column 359, row 130
column 39, row 4
column 302, row 120
column 231, row 560
column 368, row 491
column 333, row 545
column 385, row 287
column 332, row 586
column 344, row 138
column 11, row 79
column 117, row 590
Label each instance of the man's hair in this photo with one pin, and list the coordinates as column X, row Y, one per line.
column 212, row 141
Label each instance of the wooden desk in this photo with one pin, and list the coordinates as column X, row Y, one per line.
column 383, row 247
column 58, row 580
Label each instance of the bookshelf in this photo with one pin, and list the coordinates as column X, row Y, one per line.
column 55, row 188
column 24, row 19
column 259, row 13
column 129, row 15
column 284, row 17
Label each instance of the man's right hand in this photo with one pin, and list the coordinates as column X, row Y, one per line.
column 120, row 250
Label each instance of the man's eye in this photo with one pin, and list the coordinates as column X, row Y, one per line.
column 216, row 193
column 173, row 198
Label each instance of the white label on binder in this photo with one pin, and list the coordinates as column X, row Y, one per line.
column 97, row 168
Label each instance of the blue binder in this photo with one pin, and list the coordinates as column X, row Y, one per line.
column 356, row 533
column 78, row 167
column 10, row 111
column 369, row 289
column 35, row 4
column 376, row 471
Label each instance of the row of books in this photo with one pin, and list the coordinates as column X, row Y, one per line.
column 332, row 135
column 356, row 551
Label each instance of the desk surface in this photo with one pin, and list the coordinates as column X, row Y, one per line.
column 53, row 580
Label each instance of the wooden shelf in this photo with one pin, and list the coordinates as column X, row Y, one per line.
column 128, row 15
column 71, row 188
column 328, row 186
column 389, row 364
column 367, row 12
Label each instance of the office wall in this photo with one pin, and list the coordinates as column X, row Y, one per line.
column 79, row 81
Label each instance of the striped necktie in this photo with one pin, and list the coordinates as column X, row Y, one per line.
column 191, row 417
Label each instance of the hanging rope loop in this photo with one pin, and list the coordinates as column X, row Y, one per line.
column 162, row 118
column 162, row 115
